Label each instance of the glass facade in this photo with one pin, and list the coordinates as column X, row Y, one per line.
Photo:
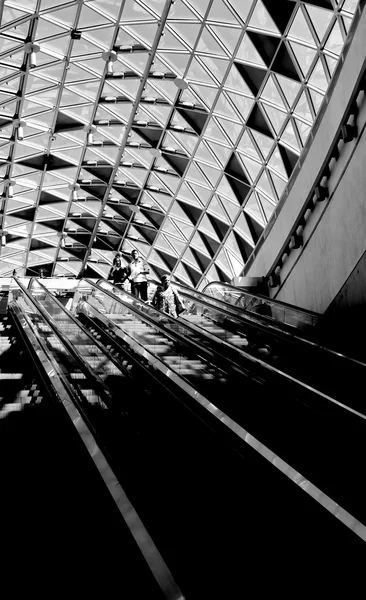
column 170, row 127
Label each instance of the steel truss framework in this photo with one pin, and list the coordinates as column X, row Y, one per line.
column 167, row 126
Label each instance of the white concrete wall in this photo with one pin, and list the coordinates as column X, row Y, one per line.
column 335, row 236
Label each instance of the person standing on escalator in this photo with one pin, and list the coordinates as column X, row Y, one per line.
column 118, row 274
column 166, row 298
column 136, row 272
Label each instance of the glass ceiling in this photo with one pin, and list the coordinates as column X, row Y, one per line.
column 167, row 126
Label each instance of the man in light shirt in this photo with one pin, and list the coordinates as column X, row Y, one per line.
column 136, row 272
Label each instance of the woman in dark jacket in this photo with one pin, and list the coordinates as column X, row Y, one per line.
column 118, row 274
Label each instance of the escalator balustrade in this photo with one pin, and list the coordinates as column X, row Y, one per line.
column 302, row 426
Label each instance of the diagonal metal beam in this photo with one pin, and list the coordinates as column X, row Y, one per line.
column 160, row 29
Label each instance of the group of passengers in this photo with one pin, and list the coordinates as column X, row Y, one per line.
column 165, row 298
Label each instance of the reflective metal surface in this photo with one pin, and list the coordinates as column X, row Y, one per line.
column 66, row 384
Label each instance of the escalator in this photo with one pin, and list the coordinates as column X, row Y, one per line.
column 59, row 522
column 317, row 366
column 320, row 438
column 192, row 490
column 270, row 311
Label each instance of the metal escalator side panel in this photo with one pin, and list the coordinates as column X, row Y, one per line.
column 63, row 351
column 193, row 339
column 294, row 475
column 267, row 307
column 87, row 434
column 88, row 348
column 147, row 354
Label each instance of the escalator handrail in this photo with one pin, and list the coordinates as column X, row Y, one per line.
column 104, row 350
column 80, row 326
column 89, row 438
column 260, row 321
column 52, row 378
column 210, row 355
column 256, row 296
column 244, row 315
column 84, row 367
column 266, row 367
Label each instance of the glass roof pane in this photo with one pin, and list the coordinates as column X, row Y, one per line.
column 214, row 125
column 300, row 28
column 320, row 18
column 261, row 19
column 248, row 53
column 335, row 41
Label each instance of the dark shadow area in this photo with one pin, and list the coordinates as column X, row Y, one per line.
column 61, row 532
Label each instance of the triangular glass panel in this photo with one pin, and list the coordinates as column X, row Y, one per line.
column 206, row 226
column 185, row 228
column 246, row 145
column 187, row 31
column 290, row 89
column 331, row 63
column 264, row 184
column 132, row 11
column 216, row 66
column 206, row 96
column 187, row 195
column 202, row 153
column 242, row 104
column 170, row 42
column 276, row 162
column 241, row 226
column 302, row 108
column 214, row 132
column 279, row 184
column 225, row 189
column 271, row 93
column 222, row 152
column 304, row 56
column 261, row 19
column 222, row 261
column 276, row 117
column 197, row 73
column 208, row 44
column 181, row 274
column 236, row 265
column 267, row 45
column 228, row 36
column 91, row 18
column 221, row 14
column 267, row 207
column 252, row 167
column 156, row 259
column 300, row 30
column 236, row 81
column 258, row 122
column 224, row 108
column 177, row 246
column 320, row 19
column 317, row 99
column 232, row 245
column 211, row 174
column 241, row 8
column 216, row 209
column 189, row 258
column 248, row 53
column 281, row 15
column 335, row 41
column 203, row 193
column 303, row 129
column 176, row 211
